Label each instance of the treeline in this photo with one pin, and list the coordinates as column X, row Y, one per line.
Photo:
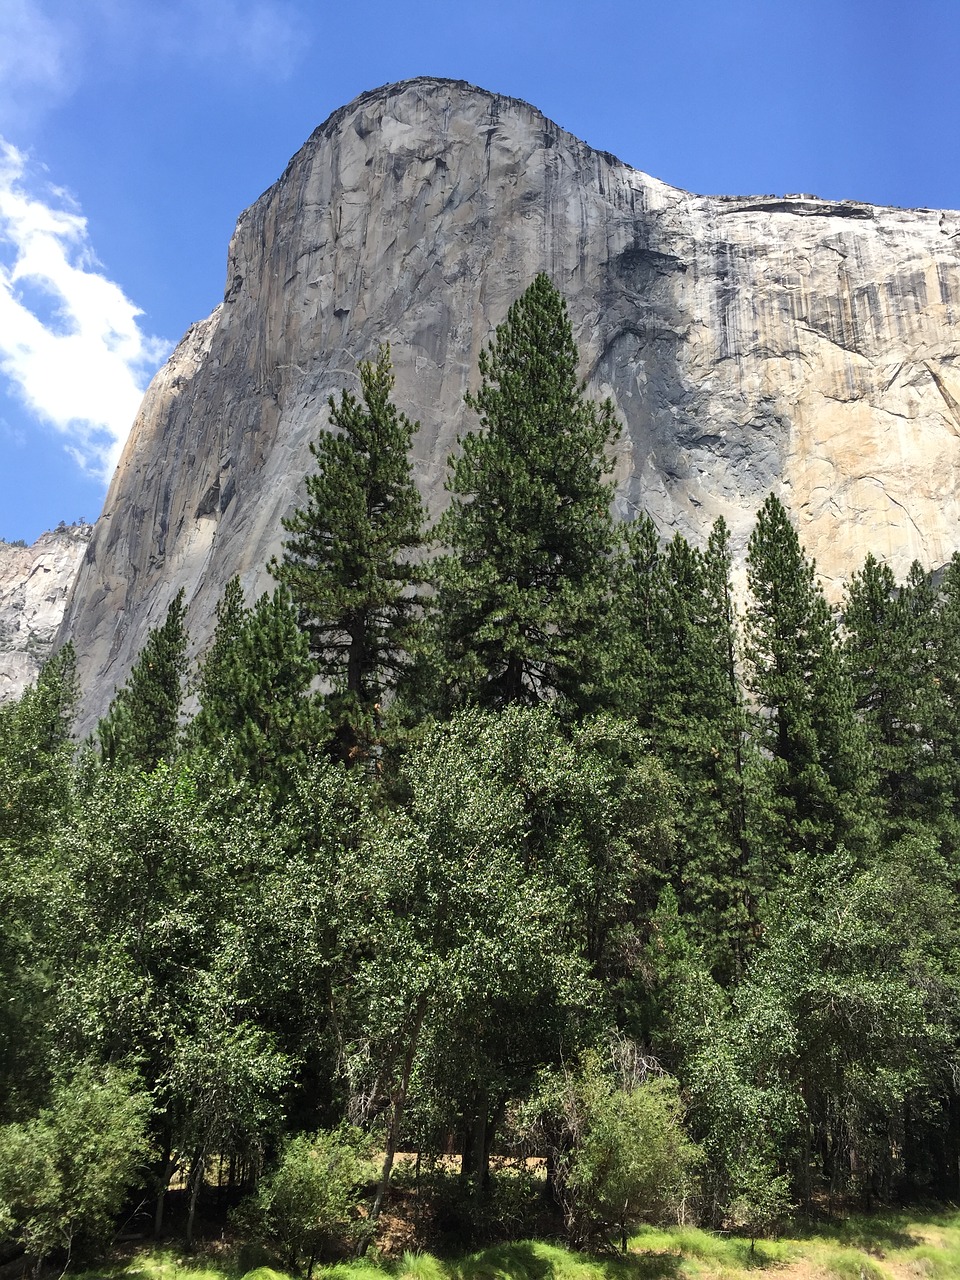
column 513, row 836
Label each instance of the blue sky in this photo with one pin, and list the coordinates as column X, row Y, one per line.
column 135, row 131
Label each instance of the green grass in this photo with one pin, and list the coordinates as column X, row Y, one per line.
column 875, row 1247
column 878, row 1246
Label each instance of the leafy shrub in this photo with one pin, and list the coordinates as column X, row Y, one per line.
column 64, row 1174
column 308, row 1207
column 761, row 1202
column 618, row 1149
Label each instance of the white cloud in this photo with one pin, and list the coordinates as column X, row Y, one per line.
column 70, row 343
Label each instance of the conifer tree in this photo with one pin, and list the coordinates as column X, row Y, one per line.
column 257, row 717
column 677, row 634
column 890, row 652
column 35, row 750
column 349, row 562
column 640, row 622
column 700, row 730
column 816, row 779
column 215, row 677
column 141, row 727
column 36, row 806
column 522, row 587
column 945, row 736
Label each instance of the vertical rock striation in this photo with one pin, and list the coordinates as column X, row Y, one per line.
column 749, row 343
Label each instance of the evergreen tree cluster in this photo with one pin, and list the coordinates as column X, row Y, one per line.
column 513, row 835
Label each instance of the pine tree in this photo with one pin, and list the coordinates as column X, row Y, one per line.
column 816, row 778
column 215, row 679
column 142, row 725
column 349, row 563
column 35, row 751
column 700, row 731
column 257, row 718
column 890, row 652
column 640, row 608
column 679, row 679
column 522, row 587
column 36, row 808
column 945, row 716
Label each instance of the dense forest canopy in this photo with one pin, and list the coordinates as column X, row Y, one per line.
column 510, row 835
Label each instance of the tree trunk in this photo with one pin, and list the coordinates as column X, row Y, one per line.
column 166, row 1173
column 398, row 1103
column 193, row 1184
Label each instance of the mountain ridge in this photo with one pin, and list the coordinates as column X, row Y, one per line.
column 750, row 343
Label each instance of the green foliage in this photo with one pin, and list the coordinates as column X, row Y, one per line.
column 147, row 944
column 65, row 1173
column 349, row 564
column 35, row 751
column 307, row 1208
column 816, row 776
column 36, row 806
column 215, row 684
column 761, row 1201
column 618, row 1149
column 677, row 629
column 522, row 590
column 141, row 727
column 742, row 871
column 258, row 721
column 890, row 650
column 489, row 907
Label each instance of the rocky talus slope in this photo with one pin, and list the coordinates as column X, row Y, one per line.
column 750, row 343
column 34, row 585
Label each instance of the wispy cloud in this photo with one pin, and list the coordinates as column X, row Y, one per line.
column 223, row 37
column 36, row 70
column 49, row 48
column 70, row 342
column 265, row 37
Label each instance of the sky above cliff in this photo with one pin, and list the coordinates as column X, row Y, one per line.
column 134, row 132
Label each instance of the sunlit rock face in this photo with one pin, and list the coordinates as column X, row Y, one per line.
column 34, row 585
column 750, row 344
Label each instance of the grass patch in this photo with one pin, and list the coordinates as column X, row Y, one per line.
column 878, row 1247
column 722, row 1252
column 158, row 1263
column 851, row 1264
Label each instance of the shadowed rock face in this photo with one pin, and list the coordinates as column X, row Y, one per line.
column 750, row 344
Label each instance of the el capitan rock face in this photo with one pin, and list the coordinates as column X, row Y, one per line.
column 750, row 344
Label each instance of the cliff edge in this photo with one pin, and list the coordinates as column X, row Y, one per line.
column 750, row 343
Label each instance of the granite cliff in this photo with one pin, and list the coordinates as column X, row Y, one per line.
column 750, row 343
column 34, row 584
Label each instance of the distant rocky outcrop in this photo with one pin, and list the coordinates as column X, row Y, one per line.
column 750, row 343
column 34, row 585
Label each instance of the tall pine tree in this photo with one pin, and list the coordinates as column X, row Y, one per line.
column 676, row 632
column 640, row 610
column 258, row 720
column 700, row 730
column 141, row 727
column 521, row 589
column 816, row 777
column 890, row 634
column 349, row 563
